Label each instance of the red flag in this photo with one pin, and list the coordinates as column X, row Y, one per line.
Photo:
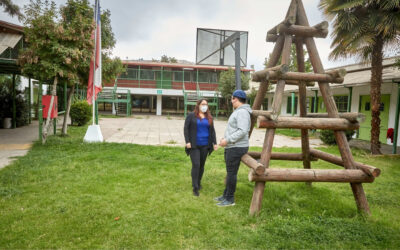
column 95, row 65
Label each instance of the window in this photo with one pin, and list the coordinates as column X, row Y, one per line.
column 129, row 74
column 178, row 76
column 265, row 104
column 341, row 103
column 289, row 105
column 204, row 77
column 147, row 74
column 213, row 77
column 314, row 106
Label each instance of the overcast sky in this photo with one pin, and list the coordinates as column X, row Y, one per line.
column 151, row 28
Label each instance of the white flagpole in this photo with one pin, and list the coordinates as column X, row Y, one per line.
column 93, row 134
column 94, row 63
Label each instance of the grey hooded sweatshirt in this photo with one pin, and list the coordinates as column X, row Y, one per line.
column 237, row 131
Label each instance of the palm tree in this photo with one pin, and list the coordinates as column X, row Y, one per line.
column 365, row 29
column 12, row 9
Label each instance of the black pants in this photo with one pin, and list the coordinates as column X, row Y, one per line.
column 198, row 156
column 232, row 161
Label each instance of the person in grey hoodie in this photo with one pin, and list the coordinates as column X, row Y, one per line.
column 236, row 143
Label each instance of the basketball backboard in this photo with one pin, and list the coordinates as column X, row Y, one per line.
column 217, row 47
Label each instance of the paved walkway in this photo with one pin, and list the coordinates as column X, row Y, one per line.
column 142, row 129
column 161, row 130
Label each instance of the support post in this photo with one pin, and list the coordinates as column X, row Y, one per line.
column 55, row 126
column 14, row 106
column 293, row 97
column 40, row 111
column 396, row 123
column 315, row 101
column 96, row 110
column 30, row 100
column 237, row 63
column 350, row 99
column 139, row 76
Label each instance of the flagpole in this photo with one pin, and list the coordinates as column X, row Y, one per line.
column 94, row 64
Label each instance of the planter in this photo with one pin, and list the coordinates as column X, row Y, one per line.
column 7, row 122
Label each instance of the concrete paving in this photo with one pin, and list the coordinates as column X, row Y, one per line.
column 138, row 129
column 163, row 130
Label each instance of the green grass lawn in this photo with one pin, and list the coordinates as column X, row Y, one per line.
column 68, row 194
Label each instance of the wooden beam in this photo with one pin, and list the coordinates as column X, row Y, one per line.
column 294, row 82
column 274, row 37
column 297, row 76
column 312, row 175
column 280, row 156
column 301, row 31
column 253, row 164
column 370, row 170
column 307, row 123
column 265, row 113
column 350, row 116
column 259, row 76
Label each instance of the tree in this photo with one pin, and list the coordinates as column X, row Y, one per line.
column 165, row 58
column 363, row 28
column 58, row 46
column 293, row 60
column 227, row 84
column 76, row 11
column 12, row 9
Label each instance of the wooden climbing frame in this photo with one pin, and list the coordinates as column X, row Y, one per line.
column 296, row 29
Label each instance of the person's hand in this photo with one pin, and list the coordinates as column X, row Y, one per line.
column 223, row 142
column 188, row 145
column 215, row 147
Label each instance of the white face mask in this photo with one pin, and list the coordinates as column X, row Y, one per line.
column 203, row 108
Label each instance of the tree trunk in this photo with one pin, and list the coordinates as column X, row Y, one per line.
column 66, row 115
column 376, row 82
column 48, row 120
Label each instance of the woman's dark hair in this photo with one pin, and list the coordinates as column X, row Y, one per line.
column 207, row 114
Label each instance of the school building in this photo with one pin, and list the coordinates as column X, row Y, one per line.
column 352, row 96
column 160, row 88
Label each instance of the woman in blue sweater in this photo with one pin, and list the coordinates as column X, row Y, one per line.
column 200, row 140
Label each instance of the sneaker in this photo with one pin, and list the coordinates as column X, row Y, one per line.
column 226, row 203
column 219, row 198
column 196, row 192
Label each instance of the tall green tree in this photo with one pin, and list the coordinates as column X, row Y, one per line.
column 56, row 49
column 363, row 29
column 12, row 9
column 227, row 84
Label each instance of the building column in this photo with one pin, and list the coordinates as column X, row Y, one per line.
column 293, row 103
column 350, row 99
column 159, row 105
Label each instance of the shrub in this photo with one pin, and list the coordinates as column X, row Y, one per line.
column 80, row 113
column 328, row 137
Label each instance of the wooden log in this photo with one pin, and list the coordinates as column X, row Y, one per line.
column 307, row 123
column 370, row 170
column 253, row 164
column 256, row 200
column 337, row 73
column 305, row 145
column 280, row 156
column 301, row 31
column 294, row 82
column 291, row 14
column 259, row 76
column 266, row 114
column 274, row 37
column 312, row 175
column 322, row 25
column 299, row 76
column 350, row 116
column 348, row 160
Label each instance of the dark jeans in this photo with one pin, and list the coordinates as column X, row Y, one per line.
column 232, row 161
column 198, row 156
